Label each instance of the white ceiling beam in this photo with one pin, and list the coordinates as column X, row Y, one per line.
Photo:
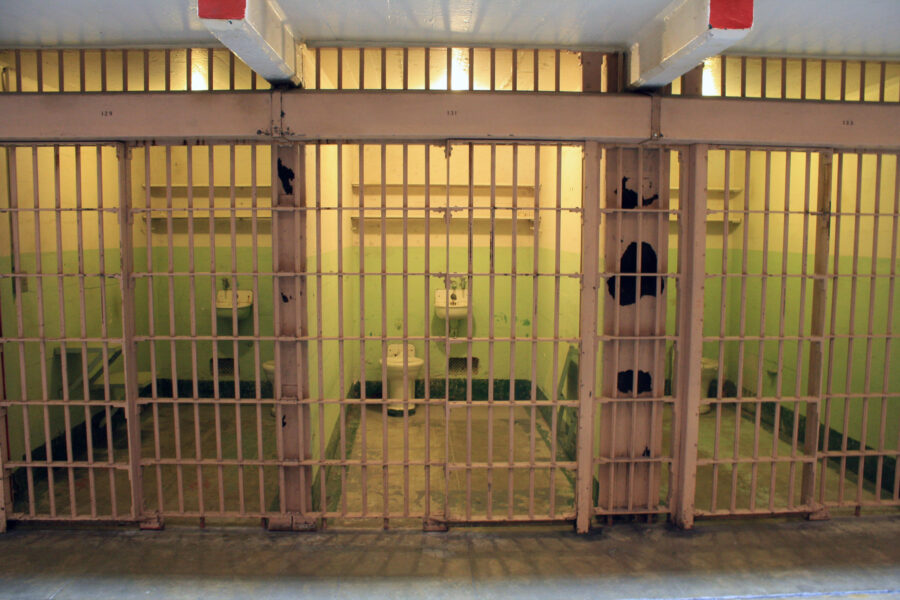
column 257, row 32
column 684, row 34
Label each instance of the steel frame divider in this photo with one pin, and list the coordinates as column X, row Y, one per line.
column 690, row 335
column 817, row 335
column 129, row 351
column 291, row 328
column 590, row 240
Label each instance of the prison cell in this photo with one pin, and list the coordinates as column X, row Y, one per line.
column 212, row 330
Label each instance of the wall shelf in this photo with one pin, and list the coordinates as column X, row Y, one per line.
column 715, row 202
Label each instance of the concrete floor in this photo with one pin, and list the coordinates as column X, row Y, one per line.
column 841, row 558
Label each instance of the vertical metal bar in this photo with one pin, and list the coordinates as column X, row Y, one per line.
column 873, row 274
column 42, row 332
column 124, row 56
column 16, row 249
column 448, row 148
column 514, row 271
column 515, row 70
column 406, row 383
column 611, row 411
column 104, row 333
column 60, row 71
column 289, row 194
column 817, row 331
column 320, row 333
column 557, row 274
column 889, row 326
column 254, row 224
column 363, row 428
column 39, row 57
column 231, row 74
column 449, row 67
column 81, row 72
column 192, row 301
column 760, row 348
column 82, row 313
column 426, row 313
column 340, row 68
column 804, row 276
column 383, row 68
column 823, row 77
column 493, row 83
column 803, row 79
column 492, row 267
column 362, row 68
column 556, row 74
column 168, row 69
column 469, row 268
column 722, row 330
column 471, row 69
column 210, row 78
column 742, row 330
column 318, row 78
column 214, row 330
column 690, row 328
column 188, row 64
column 843, row 96
column 851, row 330
column 342, row 356
column 862, row 93
column 832, row 327
column 238, row 424
column 384, row 382
column 63, row 358
column 779, row 379
column 534, row 324
column 129, row 352
column 427, row 87
column 151, row 324
column 18, row 68
column 590, row 237
column 783, row 94
column 722, row 74
column 743, row 77
column 764, row 68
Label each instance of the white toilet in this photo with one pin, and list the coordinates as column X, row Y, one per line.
column 395, row 369
column 709, row 371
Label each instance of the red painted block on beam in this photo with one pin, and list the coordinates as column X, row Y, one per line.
column 730, row 14
column 222, row 9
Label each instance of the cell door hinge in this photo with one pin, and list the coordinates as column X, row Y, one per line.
column 153, row 523
column 292, row 522
column 434, row 525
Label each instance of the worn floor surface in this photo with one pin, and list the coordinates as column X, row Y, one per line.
column 841, row 558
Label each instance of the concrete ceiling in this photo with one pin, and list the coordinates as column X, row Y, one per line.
column 850, row 28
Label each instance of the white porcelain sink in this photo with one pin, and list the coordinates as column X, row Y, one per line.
column 225, row 303
column 451, row 304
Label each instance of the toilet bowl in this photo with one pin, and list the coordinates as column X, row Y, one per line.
column 709, row 370
column 400, row 359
